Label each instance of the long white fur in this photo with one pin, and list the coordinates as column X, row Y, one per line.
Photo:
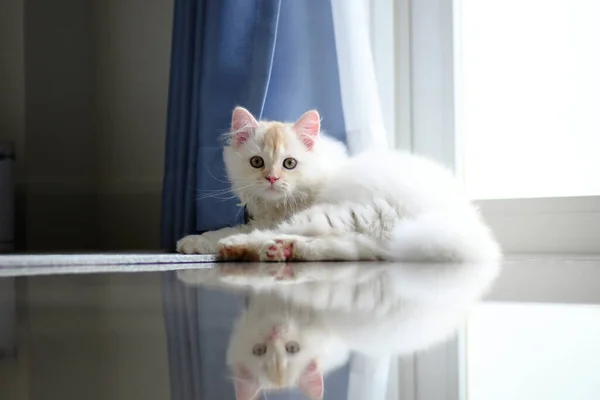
column 376, row 205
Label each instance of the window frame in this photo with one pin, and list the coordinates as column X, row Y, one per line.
column 424, row 119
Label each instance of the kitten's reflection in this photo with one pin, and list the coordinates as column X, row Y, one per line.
column 304, row 319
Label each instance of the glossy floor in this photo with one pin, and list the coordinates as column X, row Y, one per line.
column 144, row 334
column 117, row 327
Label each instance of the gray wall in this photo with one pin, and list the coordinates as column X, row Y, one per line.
column 132, row 72
column 13, row 377
column 83, row 93
column 12, row 76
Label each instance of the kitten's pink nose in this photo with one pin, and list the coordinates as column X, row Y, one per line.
column 272, row 179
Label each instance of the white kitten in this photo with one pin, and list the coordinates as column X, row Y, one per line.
column 292, row 335
column 309, row 201
column 276, row 169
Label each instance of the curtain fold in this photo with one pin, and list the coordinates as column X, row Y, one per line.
column 278, row 59
column 305, row 73
column 361, row 99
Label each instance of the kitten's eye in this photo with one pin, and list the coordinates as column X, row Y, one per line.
column 257, row 162
column 259, row 349
column 290, row 163
column 292, row 347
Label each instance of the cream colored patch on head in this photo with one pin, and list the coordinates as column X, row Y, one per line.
column 274, row 139
column 276, row 372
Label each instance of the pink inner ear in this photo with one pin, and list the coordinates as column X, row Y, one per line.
column 311, row 382
column 243, row 125
column 246, row 387
column 308, row 127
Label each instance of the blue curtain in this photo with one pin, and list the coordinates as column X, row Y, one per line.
column 277, row 58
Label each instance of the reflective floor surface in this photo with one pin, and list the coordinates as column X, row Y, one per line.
column 74, row 329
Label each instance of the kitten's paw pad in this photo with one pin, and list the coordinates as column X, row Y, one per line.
column 235, row 240
column 196, row 244
column 277, row 250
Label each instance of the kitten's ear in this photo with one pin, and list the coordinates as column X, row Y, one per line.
column 246, row 386
column 311, row 382
column 308, row 127
column 243, row 125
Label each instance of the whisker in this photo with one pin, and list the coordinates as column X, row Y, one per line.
column 294, row 198
column 207, row 169
column 226, row 191
column 216, row 197
column 215, row 190
column 238, row 213
column 228, row 179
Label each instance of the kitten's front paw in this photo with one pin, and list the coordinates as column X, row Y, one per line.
column 196, row 244
column 238, row 248
column 240, row 239
column 277, row 250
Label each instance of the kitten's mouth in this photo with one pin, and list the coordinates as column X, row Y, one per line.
column 273, row 189
column 273, row 192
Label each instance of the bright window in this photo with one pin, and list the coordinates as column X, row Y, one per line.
column 528, row 96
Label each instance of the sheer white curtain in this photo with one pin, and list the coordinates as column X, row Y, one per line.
column 365, row 128
column 360, row 97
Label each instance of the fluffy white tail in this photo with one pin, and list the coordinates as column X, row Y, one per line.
column 440, row 237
